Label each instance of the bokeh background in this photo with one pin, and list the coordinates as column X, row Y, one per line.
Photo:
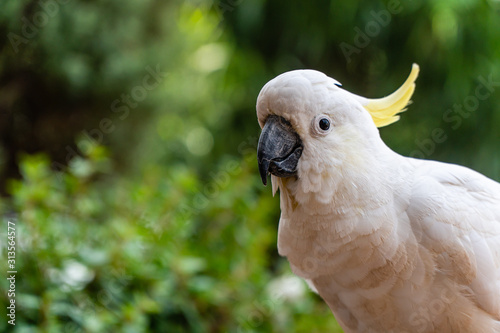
column 128, row 138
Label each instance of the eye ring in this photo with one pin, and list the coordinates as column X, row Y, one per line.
column 322, row 124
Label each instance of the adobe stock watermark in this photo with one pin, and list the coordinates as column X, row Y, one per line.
column 120, row 109
column 280, row 290
column 106, row 299
column 221, row 7
column 363, row 37
column 219, row 180
column 11, row 272
column 455, row 116
column 425, row 314
column 30, row 29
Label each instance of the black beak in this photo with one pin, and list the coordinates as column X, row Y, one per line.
column 279, row 149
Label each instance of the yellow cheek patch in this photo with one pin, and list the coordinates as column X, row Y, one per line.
column 384, row 110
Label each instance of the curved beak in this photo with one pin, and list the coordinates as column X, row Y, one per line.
column 279, row 149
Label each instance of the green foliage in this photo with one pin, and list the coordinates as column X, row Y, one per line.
column 129, row 135
column 163, row 252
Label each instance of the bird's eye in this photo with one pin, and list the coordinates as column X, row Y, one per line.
column 324, row 124
column 321, row 125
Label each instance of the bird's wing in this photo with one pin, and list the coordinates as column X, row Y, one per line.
column 456, row 214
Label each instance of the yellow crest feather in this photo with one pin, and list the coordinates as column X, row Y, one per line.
column 384, row 110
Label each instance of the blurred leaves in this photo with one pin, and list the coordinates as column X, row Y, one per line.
column 128, row 137
column 146, row 255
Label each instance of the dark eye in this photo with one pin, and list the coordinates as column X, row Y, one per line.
column 324, row 124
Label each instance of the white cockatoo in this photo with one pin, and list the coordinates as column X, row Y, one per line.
column 392, row 244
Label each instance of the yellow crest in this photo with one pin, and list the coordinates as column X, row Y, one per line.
column 384, row 110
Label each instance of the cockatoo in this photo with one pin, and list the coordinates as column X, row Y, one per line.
column 391, row 243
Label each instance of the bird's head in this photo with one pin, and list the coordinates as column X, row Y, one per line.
column 310, row 124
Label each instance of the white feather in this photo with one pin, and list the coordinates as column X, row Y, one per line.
column 392, row 244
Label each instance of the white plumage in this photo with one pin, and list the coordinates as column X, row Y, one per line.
column 392, row 244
